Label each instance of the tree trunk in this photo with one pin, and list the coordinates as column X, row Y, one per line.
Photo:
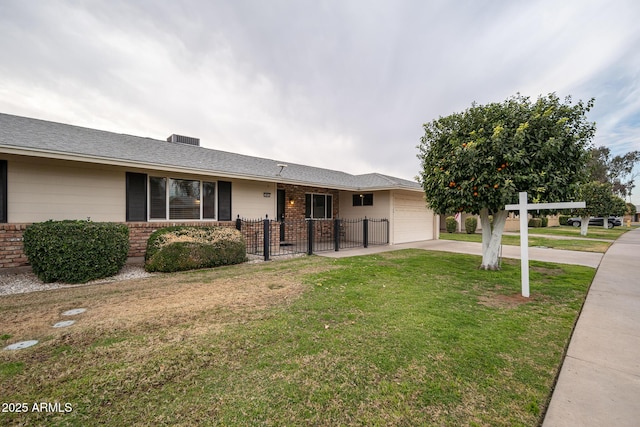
column 584, row 225
column 492, row 238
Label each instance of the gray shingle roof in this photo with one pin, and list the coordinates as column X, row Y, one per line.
column 57, row 139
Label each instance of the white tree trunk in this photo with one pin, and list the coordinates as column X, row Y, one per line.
column 492, row 238
column 584, row 225
column 486, row 229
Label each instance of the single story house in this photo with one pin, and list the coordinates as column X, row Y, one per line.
column 58, row 171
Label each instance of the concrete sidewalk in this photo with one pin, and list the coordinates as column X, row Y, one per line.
column 599, row 383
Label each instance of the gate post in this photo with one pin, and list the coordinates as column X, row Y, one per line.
column 365, row 232
column 310, row 236
column 336, row 234
column 386, row 221
column 238, row 223
column 267, row 239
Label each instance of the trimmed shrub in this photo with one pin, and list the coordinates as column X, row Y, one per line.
column 563, row 219
column 76, row 251
column 535, row 222
column 451, row 224
column 471, row 224
column 188, row 248
column 545, row 221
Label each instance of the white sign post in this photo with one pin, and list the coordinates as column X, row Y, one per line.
column 523, row 207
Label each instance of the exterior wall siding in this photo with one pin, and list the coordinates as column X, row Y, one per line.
column 249, row 201
column 41, row 189
column 381, row 205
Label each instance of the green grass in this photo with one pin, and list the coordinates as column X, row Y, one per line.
column 593, row 232
column 534, row 241
column 402, row 338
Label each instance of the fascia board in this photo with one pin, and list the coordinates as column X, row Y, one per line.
column 57, row 155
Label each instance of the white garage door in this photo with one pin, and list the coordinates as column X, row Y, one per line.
column 412, row 221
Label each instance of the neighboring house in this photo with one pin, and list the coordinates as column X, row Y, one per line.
column 58, row 171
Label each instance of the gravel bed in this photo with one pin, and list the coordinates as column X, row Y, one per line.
column 28, row 282
column 21, row 283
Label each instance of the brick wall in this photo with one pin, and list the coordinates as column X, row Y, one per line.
column 296, row 211
column 12, row 251
column 296, row 193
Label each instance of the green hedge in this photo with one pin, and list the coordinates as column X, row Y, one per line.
column 545, row 221
column 188, row 248
column 451, row 224
column 535, row 222
column 563, row 219
column 471, row 224
column 76, row 251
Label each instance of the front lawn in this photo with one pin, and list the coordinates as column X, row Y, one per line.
column 400, row 338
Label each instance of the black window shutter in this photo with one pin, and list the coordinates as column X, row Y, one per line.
column 136, row 196
column 224, row 201
column 3, row 191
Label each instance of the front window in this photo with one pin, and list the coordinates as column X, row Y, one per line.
column 158, row 205
column 183, row 199
column 318, row 206
column 363, row 199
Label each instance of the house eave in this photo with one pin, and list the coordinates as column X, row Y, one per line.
column 84, row 158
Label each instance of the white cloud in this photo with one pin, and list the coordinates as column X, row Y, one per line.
column 342, row 85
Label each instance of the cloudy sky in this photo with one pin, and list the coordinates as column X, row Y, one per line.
column 339, row 84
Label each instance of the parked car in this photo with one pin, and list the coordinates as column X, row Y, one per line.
column 596, row 220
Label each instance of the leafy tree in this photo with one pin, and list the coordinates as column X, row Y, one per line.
column 617, row 171
column 618, row 206
column 631, row 209
column 478, row 160
column 600, row 201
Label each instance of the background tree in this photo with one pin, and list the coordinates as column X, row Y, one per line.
column 478, row 160
column 601, row 202
column 631, row 210
column 617, row 171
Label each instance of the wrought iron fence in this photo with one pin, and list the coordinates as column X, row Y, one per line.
column 267, row 237
column 378, row 231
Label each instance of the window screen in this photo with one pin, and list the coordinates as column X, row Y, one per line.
column 184, row 199
column 158, row 198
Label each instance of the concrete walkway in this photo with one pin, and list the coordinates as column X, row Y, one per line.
column 589, row 259
column 599, row 383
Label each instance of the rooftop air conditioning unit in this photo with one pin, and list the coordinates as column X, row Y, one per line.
column 184, row 140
